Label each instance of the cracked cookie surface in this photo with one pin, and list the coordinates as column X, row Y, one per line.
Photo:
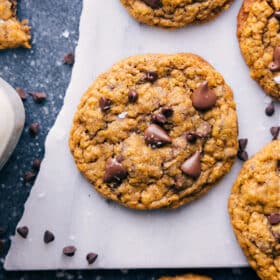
column 186, row 277
column 254, row 207
column 258, row 34
column 155, row 130
column 174, row 13
column 13, row 33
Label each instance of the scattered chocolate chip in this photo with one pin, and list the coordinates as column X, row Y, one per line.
column 274, row 130
column 91, row 258
column 167, row 111
column 114, row 171
column 69, row 58
column 155, row 136
column 277, row 15
column 38, row 97
column 22, row 93
column 3, row 231
column 105, row 104
column 159, row 119
column 192, row 166
column 132, row 96
column 242, row 144
column 36, row 164
column 29, row 176
column 204, row 98
column 34, row 129
column 155, row 4
column 48, row 237
column 274, row 218
column 151, row 76
column 191, row 137
column 242, row 155
column 204, row 130
column 275, row 65
column 270, row 109
column 23, row 231
column 69, row 251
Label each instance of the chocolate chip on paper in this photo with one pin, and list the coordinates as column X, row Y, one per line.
column 270, row 109
column 48, row 237
column 91, row 258
column 274, row 130
column 69, row 251
column 23, row 231
column 242, row 155
column 242, row 144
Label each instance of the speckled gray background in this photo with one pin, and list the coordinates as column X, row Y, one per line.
column 55, row 32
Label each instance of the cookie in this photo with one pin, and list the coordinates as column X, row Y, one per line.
column 186, row 277
column 13, row 33
column 254, row 207
column 174, row 14
column 259, row 40
column 155, row 131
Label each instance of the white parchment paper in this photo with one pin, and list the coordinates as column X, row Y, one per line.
column 198, row 235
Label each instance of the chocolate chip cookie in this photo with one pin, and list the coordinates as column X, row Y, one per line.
column 259, row 40
column 186, row 277
column 254, row 207
column 13, row 33
column 174, row 14
column 156, row 131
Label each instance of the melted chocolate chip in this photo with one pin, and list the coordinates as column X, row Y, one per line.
column 203, row 98
column 156, row 136
column 114, row 171
column 23, row 231
column 132, row 96
column 91, row 258
column 48, row 237
column 242, row 155
column 270, row 109
column 159, row 119
column 155, row 4
column 22, row 93
column 151, row 76
column 69, row 251
column 191, row 137
column 275, row 65
column 274, row 130
column 242, row 144
column 105, row 104
column 167, row 111
column 192, row 166
column 274, row 218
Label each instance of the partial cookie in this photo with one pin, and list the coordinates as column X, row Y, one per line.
column 156, row 131
column 254, row 207
column 13, row 33
column 186, row 277
column 174, row 14
column 259, row 40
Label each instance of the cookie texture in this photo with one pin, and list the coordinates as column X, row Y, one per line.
column 13, row 33
column 186, row 277
column 155, row 130
column 259, row 40
column 174, row 13
column 254, row 207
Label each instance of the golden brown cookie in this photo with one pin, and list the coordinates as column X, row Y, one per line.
column 174, row 13
column 259, row 40
column 186, row 277
column 13, row 33
column 254, row 207
column 155, row 130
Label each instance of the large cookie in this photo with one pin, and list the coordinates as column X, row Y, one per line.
column 156, row 131
column 174, row 13
column 186, row 277
column 254, row 207
column 13, row 33
column 259, row 40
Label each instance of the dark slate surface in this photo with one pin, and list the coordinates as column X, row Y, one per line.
column 55, row 32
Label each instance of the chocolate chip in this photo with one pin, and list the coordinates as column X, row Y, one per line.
column 155, row 4
column 34, row 129
column 91, row 258
column 36, row 164
column 242, row 155
column 274, row 218
column 48, row 237
column 203, row 98
column 105, row 104
column 151, row 76
column 69, row 58
column 270, row 109
column 274, row 66
column 29, row 176
column 192, row 166
column 274, row 130
column 38, row 97
column 22, row 93
column 69, row 251
column 277, row 15
column 159, row 119
column 155, row 136
column 191, row 137
column 132, row 96
column 23, row 231
column 167, row 111
column 114, row 171
column 3, row 231
column 242, row 144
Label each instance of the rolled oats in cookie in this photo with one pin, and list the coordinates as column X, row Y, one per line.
column 254, row 207
column 186, row 277
column 259, row 39
column 131, row 133
column 174, row 13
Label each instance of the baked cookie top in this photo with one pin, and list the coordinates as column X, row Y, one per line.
column 13, row 33
column 259, row 40
column 186, row 277
column 174, row 13
column 254, row 207
column 155, row 130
